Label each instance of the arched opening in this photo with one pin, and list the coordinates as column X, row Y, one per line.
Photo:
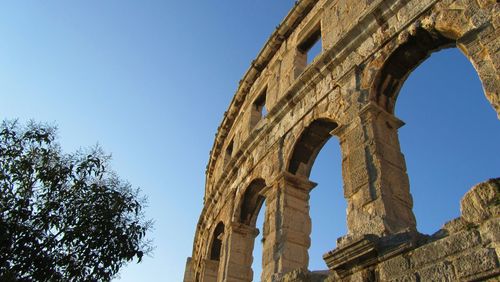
column 308, row 146
column 317, row 156
column 451, row 136
column 252, row 202
column 216, row 247
column 252, row 214
column 451, row 130
column 327, row 204
column 401, row 62
column 211, row 264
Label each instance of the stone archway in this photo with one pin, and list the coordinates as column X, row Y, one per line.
column 368, row 49
column 401, row 62
column 210, row 267
column 242, row 233
column 464, row 25
column 307, row 147
column 251, row 202
column 409, row 55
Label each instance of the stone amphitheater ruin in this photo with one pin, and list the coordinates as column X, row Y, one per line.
column 348, row 91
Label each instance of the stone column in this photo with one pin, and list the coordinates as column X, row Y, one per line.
column 188, row 272
column 238, row 254
column 287, row 225
column 376, row 185
column 210, row 270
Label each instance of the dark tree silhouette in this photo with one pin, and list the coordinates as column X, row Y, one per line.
column 63, row 217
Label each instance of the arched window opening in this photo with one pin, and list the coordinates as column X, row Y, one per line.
column 252, row 202
column 308, row 146
column 252, row 214
column 402, row 62
column 327, row 204
column 451, row 136
column 215, row 250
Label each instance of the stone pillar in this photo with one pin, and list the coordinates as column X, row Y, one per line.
column 376, row 185
column 210, row 270
column 188, row 272
column 287, row 226
column 238, row 255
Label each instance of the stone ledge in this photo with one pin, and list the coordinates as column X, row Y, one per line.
column 369, row 250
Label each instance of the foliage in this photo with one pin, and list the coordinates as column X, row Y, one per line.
column 63, row 217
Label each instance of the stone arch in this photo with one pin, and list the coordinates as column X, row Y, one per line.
column 301, row 154
column 445, row 88
column 251, row 202
column 213, row 256
column 401, row 62
column 370, row 47
column 242, row 232
column 471, row 26
column 447, row 28
column 308, row 145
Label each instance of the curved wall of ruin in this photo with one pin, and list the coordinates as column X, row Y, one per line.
column 348, row 91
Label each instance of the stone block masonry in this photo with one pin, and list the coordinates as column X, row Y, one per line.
column 289, row 104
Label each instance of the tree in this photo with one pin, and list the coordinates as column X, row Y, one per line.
column 63, row 217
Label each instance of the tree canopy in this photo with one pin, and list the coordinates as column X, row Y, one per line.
column 64, row 217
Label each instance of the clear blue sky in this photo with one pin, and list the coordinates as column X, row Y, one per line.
column 150, row 81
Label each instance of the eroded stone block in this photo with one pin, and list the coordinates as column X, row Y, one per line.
column 442, row 271
column 481, row 202
column 476, row 263
column 392, row 268
column 442, row 248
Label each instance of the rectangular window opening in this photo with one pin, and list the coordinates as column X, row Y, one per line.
column 259, row 110
column 312, row 46
column 229, row 153
column 260, row 104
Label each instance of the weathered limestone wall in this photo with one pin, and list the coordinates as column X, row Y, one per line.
column 349, row 91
